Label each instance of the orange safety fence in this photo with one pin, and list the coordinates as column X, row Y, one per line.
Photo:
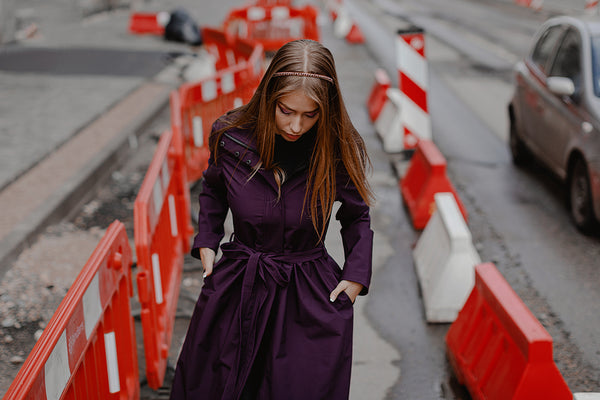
column 161, row 239
column 88, row 349
column 240, row 66
column 273, row 25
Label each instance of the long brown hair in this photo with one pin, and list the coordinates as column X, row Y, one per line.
column 337, row 139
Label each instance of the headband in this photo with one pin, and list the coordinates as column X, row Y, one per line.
column 307, row 74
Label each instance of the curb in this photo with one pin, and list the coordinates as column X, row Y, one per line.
column 82, row 185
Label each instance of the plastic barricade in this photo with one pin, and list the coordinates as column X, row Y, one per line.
column 240, row 67
column 88, row 349
column 426, row 176
column 177, row 151
column 161, row 238
column 445, row 260
column 377, row 97
column 498, row 349
column 148, row 23
column 273, row 25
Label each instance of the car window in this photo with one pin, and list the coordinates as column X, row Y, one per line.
column 568, row 58
column 544, row 48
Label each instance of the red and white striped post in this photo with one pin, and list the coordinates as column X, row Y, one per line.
column 413, row 81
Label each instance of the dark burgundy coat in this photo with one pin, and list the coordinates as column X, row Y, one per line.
column 264, row 327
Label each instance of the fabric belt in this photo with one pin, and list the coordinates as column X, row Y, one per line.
column 273, row 269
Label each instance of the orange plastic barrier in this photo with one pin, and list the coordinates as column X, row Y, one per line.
column 88, row 349
column 498, row 349
column 161, row 239
column 377, row 98
column 239, row 65
column 146, row 23
column 273, row 25
column 426, row 176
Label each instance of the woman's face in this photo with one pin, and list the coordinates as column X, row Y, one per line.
column 295, row 114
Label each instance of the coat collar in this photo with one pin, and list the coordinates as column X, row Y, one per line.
column 240, row 144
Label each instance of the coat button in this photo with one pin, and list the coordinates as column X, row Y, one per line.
column 237, row 154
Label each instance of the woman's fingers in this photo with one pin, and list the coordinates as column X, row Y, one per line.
column 338, row 289
column 352, row 289
column 208, row 259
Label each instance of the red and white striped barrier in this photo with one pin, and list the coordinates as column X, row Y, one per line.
column 591, row 6
column 88, row 350
column 413, row 78
column 533, row 4
column 344, row 26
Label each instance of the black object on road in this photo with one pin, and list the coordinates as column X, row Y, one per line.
column 183, row 28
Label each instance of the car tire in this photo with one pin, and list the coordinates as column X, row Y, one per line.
column 580, row 198
column 520, row 154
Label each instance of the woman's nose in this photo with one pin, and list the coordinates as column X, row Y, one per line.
column 296, row 125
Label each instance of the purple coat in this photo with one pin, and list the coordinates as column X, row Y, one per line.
column 264, row 327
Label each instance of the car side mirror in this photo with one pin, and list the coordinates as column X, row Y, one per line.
column 561, row 86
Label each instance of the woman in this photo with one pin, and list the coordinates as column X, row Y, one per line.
column 274, row 318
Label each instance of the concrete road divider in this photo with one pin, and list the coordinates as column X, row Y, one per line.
column 388, row 124
column 498, row 349
column 586, row 396
column 88, row 349
column 445, row 260
column 426, row 176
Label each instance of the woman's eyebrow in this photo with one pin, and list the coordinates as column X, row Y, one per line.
column 291, row 109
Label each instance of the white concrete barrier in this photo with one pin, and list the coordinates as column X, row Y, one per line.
column 445, row 260
column 388, row 124
column 586, row 396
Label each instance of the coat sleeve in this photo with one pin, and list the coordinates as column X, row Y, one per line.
column 213, row 205
column 357, row 236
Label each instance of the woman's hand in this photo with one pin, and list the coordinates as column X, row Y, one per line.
column 352, row 289
column 208, row 259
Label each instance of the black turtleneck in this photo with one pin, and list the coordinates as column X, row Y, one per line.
column 295, row 156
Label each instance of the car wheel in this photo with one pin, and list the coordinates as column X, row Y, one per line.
column 520, row 153
column 580, row 198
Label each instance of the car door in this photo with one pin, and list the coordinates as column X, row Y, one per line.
column 531, row 86
column 562, row 118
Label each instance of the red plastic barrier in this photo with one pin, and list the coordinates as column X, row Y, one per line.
column 273, row 25
column 240, row 67
column 377, row 98
column 264, row 3
column 146, row 23
column 498, row 349
column 161, row 238
column 88, row 349
column 426, row 176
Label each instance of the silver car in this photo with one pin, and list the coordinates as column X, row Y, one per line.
column 555, row 111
